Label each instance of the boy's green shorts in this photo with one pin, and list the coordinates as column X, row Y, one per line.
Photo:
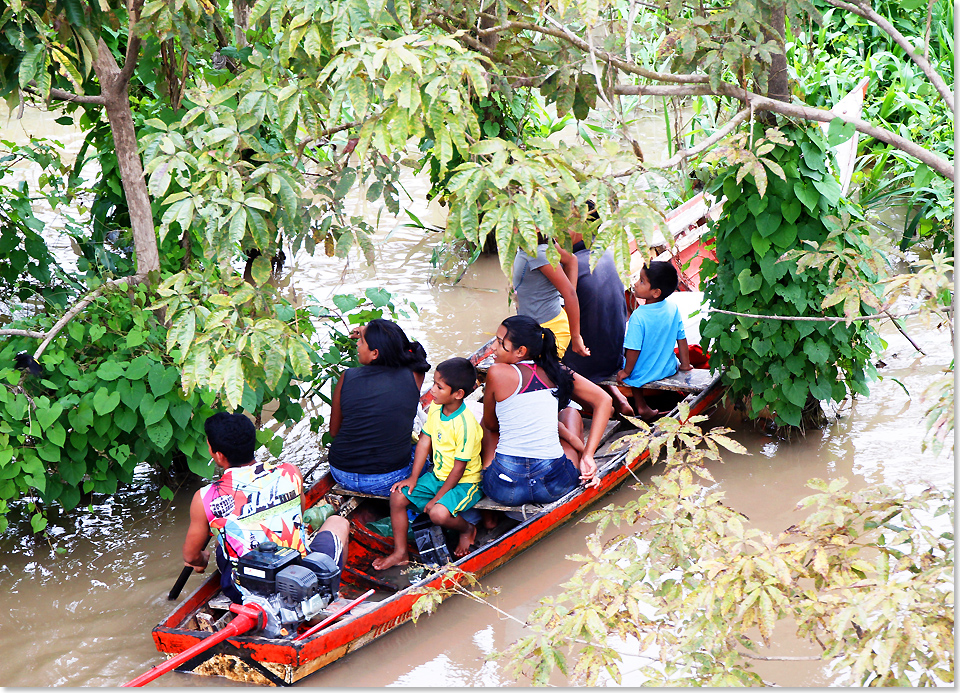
column 461, row 497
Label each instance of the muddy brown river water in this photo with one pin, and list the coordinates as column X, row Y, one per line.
column 82, row 617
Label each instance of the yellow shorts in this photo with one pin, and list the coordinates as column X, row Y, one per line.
column 560, row 327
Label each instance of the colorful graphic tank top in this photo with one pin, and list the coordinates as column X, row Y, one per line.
column 255, row 503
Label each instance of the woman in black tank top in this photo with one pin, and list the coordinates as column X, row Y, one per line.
column 373, row 410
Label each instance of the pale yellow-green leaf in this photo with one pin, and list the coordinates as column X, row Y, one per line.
column 735, row 526
column 299, row 358
column 258, row 202
column 229, row 375
column 729, row 444
column 261, row 270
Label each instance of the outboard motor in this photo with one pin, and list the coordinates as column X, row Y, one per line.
column 327, row 572
column 257, row 570
column 290, row 589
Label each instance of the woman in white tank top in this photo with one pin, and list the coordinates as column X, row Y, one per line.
column 524, row 409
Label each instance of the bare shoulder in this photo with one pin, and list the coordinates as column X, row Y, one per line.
column 501, row 374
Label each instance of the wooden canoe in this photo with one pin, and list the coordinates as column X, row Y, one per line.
column 265, row 661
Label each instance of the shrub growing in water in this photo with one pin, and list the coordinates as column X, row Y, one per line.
column 787, row 366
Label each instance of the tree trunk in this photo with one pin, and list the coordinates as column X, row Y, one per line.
column 114, row 90
column 241, row 20
column 777, row 86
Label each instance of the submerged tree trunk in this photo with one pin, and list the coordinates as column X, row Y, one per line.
column 114, row 90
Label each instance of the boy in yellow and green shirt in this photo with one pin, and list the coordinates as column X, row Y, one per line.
column 452, row 434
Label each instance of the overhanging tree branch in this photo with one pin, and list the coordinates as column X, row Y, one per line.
column 62, row 95
column 868, row 13
column 466, row 38
column 22, row 333
column 762, row 103
column 133, row 44
column 758, row 103
column 620, row 64
column 728, row 127
column 77, row 307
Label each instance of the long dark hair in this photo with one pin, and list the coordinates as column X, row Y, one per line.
column 395, row 350
column 541, row 344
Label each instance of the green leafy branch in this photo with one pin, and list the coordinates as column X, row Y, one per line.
column 865, row 575
column 855, row 267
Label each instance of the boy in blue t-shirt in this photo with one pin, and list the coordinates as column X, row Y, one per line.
column 452, row 437
column 651, row 331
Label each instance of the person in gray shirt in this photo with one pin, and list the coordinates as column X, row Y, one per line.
column 546, row 294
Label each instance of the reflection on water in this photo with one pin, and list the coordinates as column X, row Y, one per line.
column 83, row 617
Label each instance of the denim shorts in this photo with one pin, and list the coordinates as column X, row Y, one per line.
column 512, row 480
column 374, row 484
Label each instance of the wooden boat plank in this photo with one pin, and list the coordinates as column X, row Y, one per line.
column 690, row 382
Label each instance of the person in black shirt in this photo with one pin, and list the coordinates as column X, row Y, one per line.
column 603, row 320
column 373, row 410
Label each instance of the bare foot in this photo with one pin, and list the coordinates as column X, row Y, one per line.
column 489, row 519
column 621, row 403
column 390, row 561
column 649, row 414
column 466, row 541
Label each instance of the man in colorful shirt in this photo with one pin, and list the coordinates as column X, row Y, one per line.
column 251, row 503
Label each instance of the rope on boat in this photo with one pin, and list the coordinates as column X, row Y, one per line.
column 878, row 316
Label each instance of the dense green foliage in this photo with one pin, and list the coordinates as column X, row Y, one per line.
column 252, row 135
column 781, row 364
column 826, row 61
column 28, row 270
column 107, row 399
column 694, row 591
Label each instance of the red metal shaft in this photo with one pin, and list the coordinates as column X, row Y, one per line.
column 249, row 616
column 334, row 616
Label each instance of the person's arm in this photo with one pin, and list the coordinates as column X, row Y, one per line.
column 571, row 267
column 602, row 404
column 684, row 355
column 418, row 379
column 197, row 535
column 570, row 304
column 459, row 467
column 336, row 416
column 424, row 445
column 630, row 356
column 569, row 436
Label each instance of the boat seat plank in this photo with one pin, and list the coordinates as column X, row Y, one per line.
column 483, row 504
column 694, row 381
column 488, row 503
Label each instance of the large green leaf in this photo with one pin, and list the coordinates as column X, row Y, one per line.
column 48, row 415
column 160, row 433
column 162, row 379
column 105, row 401
column 808, row 195
column 837, row 133
column 749, row 282
column 829, row 188
column 152, row 410
column 110, row 370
